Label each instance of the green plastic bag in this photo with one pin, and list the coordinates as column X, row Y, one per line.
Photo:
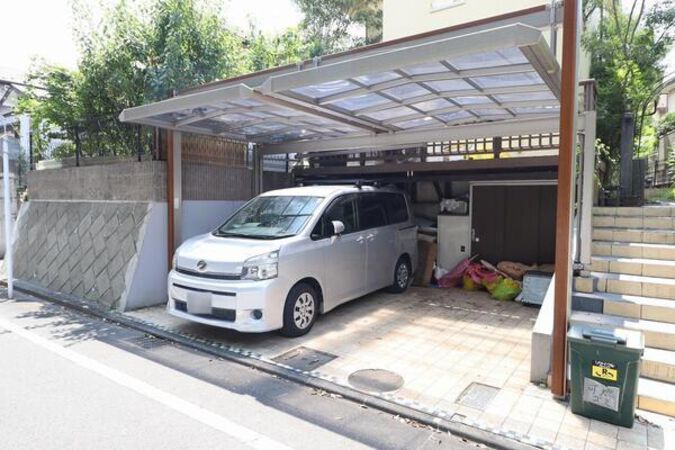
column 506, row 290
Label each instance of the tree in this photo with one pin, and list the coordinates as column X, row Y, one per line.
column 189, row 46
column 56, row 101
column 331, row 25
column 627, row 52
column 139, row 52
column 263, row 52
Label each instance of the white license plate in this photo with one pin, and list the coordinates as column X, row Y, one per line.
column 198, row 302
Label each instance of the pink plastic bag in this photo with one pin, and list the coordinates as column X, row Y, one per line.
column 452, row 278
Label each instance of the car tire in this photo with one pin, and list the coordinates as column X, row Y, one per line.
column 402, row 276
column 300, row 310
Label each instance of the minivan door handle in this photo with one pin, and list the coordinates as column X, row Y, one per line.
column 360, row 239
column 370, row 236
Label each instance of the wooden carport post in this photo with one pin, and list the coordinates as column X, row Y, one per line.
column 173, row 191
column 566, row 158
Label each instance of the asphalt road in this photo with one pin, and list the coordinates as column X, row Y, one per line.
column 72, row 381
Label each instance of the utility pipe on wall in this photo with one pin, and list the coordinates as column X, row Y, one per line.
column 7, row 201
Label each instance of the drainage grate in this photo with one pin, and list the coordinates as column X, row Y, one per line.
column 304, row 358
column 477, row 395
column 147, row 341
column 376, row 380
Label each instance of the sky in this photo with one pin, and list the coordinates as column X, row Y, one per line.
column 56, row 45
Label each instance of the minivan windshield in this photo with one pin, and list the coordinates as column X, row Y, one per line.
column 270, row 217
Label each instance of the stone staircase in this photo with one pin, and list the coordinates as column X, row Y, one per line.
column 631, row 284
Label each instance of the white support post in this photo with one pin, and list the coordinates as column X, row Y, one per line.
column 587, row 188
column 7, row 203
column 24, row 127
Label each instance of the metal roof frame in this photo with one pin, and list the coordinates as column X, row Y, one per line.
column 284, row 114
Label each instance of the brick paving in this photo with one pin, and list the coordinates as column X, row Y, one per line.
column 441, row 341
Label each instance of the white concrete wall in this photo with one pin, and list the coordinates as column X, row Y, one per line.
column 406, row 17
column 202, row 216
column 146, row 275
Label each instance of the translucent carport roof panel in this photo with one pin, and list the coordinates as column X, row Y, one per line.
column 498, row 74
column 238, row 112
column 393, row 94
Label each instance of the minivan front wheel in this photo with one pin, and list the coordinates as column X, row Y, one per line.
column 402, row 274
column 300, row 310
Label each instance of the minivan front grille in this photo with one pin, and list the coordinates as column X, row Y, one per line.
column 229, row 315
column 213, row 276
column 224, row 314
column 209, row 291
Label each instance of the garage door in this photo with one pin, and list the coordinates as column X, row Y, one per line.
column 514, row 223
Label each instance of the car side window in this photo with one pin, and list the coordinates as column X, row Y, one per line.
column 397, row 210
column 372, row 211
column 341, row 209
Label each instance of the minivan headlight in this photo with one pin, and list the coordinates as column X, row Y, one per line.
column 262, row 267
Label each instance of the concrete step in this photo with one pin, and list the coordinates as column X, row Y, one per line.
column 656, row 396
column 634, row 250
column 646, row 236
column 658, row 365
column 629, row 306
column 634, row 222
column 657, row 335
column 643, row 211
column 617, row 283
column 634, row 266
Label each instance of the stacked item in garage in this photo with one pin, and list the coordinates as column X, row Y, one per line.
column 482, row 275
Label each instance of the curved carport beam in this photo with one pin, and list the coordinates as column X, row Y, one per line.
column 358, row 144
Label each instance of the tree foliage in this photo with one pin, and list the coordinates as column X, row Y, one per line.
column 627, row 49
column 666, row 125
column 332, row 25
column 263, row 51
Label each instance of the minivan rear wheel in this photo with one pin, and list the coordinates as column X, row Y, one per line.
column 402, row 275
column 300, row 310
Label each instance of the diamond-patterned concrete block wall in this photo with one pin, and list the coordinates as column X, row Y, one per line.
column 83, row 248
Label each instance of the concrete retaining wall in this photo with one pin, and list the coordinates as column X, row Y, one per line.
column 86, row 248
column 134, row 181
column 100, row 232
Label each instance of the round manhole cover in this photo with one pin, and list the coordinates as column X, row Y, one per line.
column 375, row 380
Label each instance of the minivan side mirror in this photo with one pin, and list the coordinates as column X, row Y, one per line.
column 338, row 227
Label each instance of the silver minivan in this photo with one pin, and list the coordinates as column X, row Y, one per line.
column 288, row 255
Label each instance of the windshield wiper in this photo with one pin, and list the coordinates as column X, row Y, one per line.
column 228, row 234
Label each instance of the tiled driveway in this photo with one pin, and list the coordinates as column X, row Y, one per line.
column 440, row 341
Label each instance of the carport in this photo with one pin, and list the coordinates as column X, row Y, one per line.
column 449, row 85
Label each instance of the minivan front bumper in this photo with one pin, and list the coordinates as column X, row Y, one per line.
column 242, row 305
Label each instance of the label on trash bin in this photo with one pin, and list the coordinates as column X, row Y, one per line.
column 601, row 395
column 604, row 370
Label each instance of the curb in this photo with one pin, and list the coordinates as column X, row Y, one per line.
column 440, row 420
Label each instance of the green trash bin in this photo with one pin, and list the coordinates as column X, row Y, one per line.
column 605, row 367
